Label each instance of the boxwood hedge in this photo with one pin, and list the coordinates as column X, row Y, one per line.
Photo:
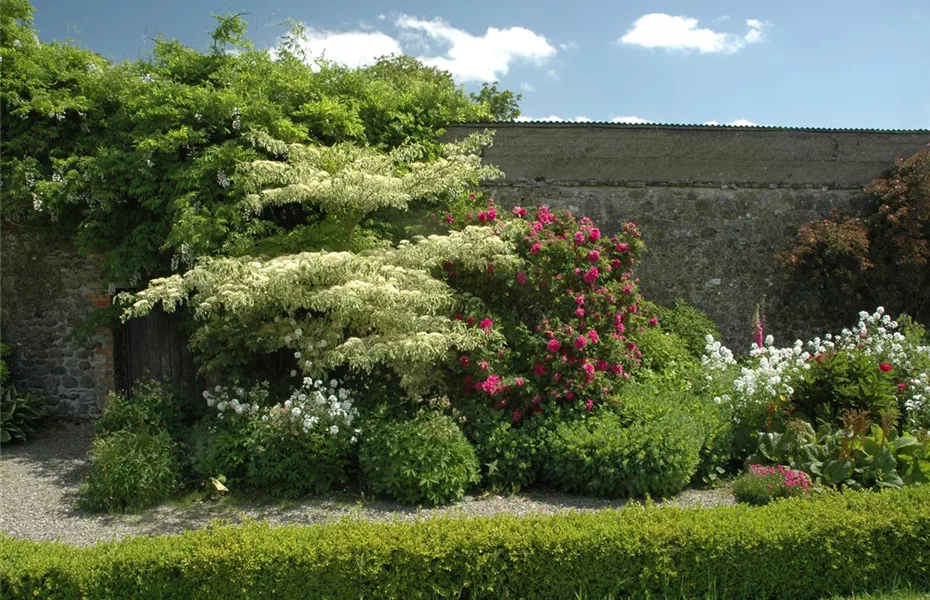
column 836, row 544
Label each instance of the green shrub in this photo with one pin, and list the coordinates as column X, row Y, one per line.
column 18, row 413
column 793, row 549
column 4, row 368
column 606, row 455
column 690, row 325
column 663, row 350
column 425, row 460
column 221, row 448
column 289, row 462
column 149, row 406
column 131, row 470
column 760, row 485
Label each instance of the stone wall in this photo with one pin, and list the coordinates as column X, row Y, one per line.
column 46, row 290
column 714, row 203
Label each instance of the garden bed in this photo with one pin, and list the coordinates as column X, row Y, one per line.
column 41, row 479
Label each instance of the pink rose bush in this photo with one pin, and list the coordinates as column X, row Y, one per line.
column 568, row 316
column 761, row 484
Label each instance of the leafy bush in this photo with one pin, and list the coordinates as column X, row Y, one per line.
column 858, row 455
column 840, row 264
column 149, row 406
column 130, row 470
column 18, row 413
column 760, row 485
column 605, row 455
column 663, row 350
column 689, row 324
column 4, row 368
column 290, row 462
column 426, row 460
column 790, row 550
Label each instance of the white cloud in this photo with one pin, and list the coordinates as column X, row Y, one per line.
column 572, row 45
column 659, row 30
column 736, row 123
column 479, row 58
column 634, row 120
column 352, row 48
column 553, row 74
column 527, row 87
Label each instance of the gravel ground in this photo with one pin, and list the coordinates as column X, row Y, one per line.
column 39, row 482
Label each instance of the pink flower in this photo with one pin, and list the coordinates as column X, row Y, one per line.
column 591, row 275
column 580, row 342
column 482, row 216
column 592, row 335
column 569, row 395
column 653, row 321
column 492, row 385
column 519, row 211
column 554, row 346
column 589, row 404
column 594, row 234
column 484, row 365
column 885, row 367
column 490, row 267
column 535, row 248
column 521, row 278
column 486, row 324
column 579, row 238
column 579, row 312
column 519, row 381
column 492, row 213
column 579, row 300
column 539, row 369
column 589, row 369
column 902, row 386
column 615, row 264
column 517, row 416
column 594, row 256
column 449, row 219
column 620, row 327
column 601, row 364
column 617, row 369
column 470, row 320
column 544, row 216
column 623, row 247
column 463, row 361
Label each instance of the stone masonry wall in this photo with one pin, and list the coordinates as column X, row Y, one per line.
column 715, row 204
column 46, row 290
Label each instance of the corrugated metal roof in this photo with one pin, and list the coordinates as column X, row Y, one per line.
column 682, row 126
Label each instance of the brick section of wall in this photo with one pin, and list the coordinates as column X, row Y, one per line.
column 715, row 205
column 47, row 289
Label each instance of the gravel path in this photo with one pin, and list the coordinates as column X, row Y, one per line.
column 39, row 482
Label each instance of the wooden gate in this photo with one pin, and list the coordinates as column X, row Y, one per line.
column 153, row 347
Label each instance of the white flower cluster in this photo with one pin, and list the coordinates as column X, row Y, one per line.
column 236, row 400
column 315, row 406
column 718, row 356
column 773, row 370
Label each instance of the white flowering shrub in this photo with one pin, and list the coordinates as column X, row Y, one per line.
column 872, row 366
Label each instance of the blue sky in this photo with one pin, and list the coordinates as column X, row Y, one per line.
column 811, row 63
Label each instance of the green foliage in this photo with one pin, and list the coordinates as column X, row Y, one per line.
column 607, row 455
column 4, row 368
column 663, row 350
column 144, row 161
column 858, row 455
column 790, row 550
column 150, row 406
column 426, row 460
column 18, row 414
column 291, row 463
column 841, row 381
column 840, row 264
column 131, row 470
column 221, row 448
column 687, row 323
column 760, row 485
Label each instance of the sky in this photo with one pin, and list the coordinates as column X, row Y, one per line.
column 809, row 63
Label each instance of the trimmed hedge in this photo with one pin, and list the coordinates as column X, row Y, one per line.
column 798, row 549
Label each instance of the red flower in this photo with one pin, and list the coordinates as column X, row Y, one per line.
column 623, row 247
column 539, row 369
column 517, row 417
column 463, row 361
column 902, row 386
column 521, row 278
column 589, row 404
column 594, row 256
column 589, row 369
column 654, row 321
column 535, row 248
column 449, row 219
column 580, row 342
column 519, row 211
column 486, row 325
column 554, row 346
column 492, row 213
column 592, row 335
column 594, row 235
column 579, row 238
column 885, row 367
